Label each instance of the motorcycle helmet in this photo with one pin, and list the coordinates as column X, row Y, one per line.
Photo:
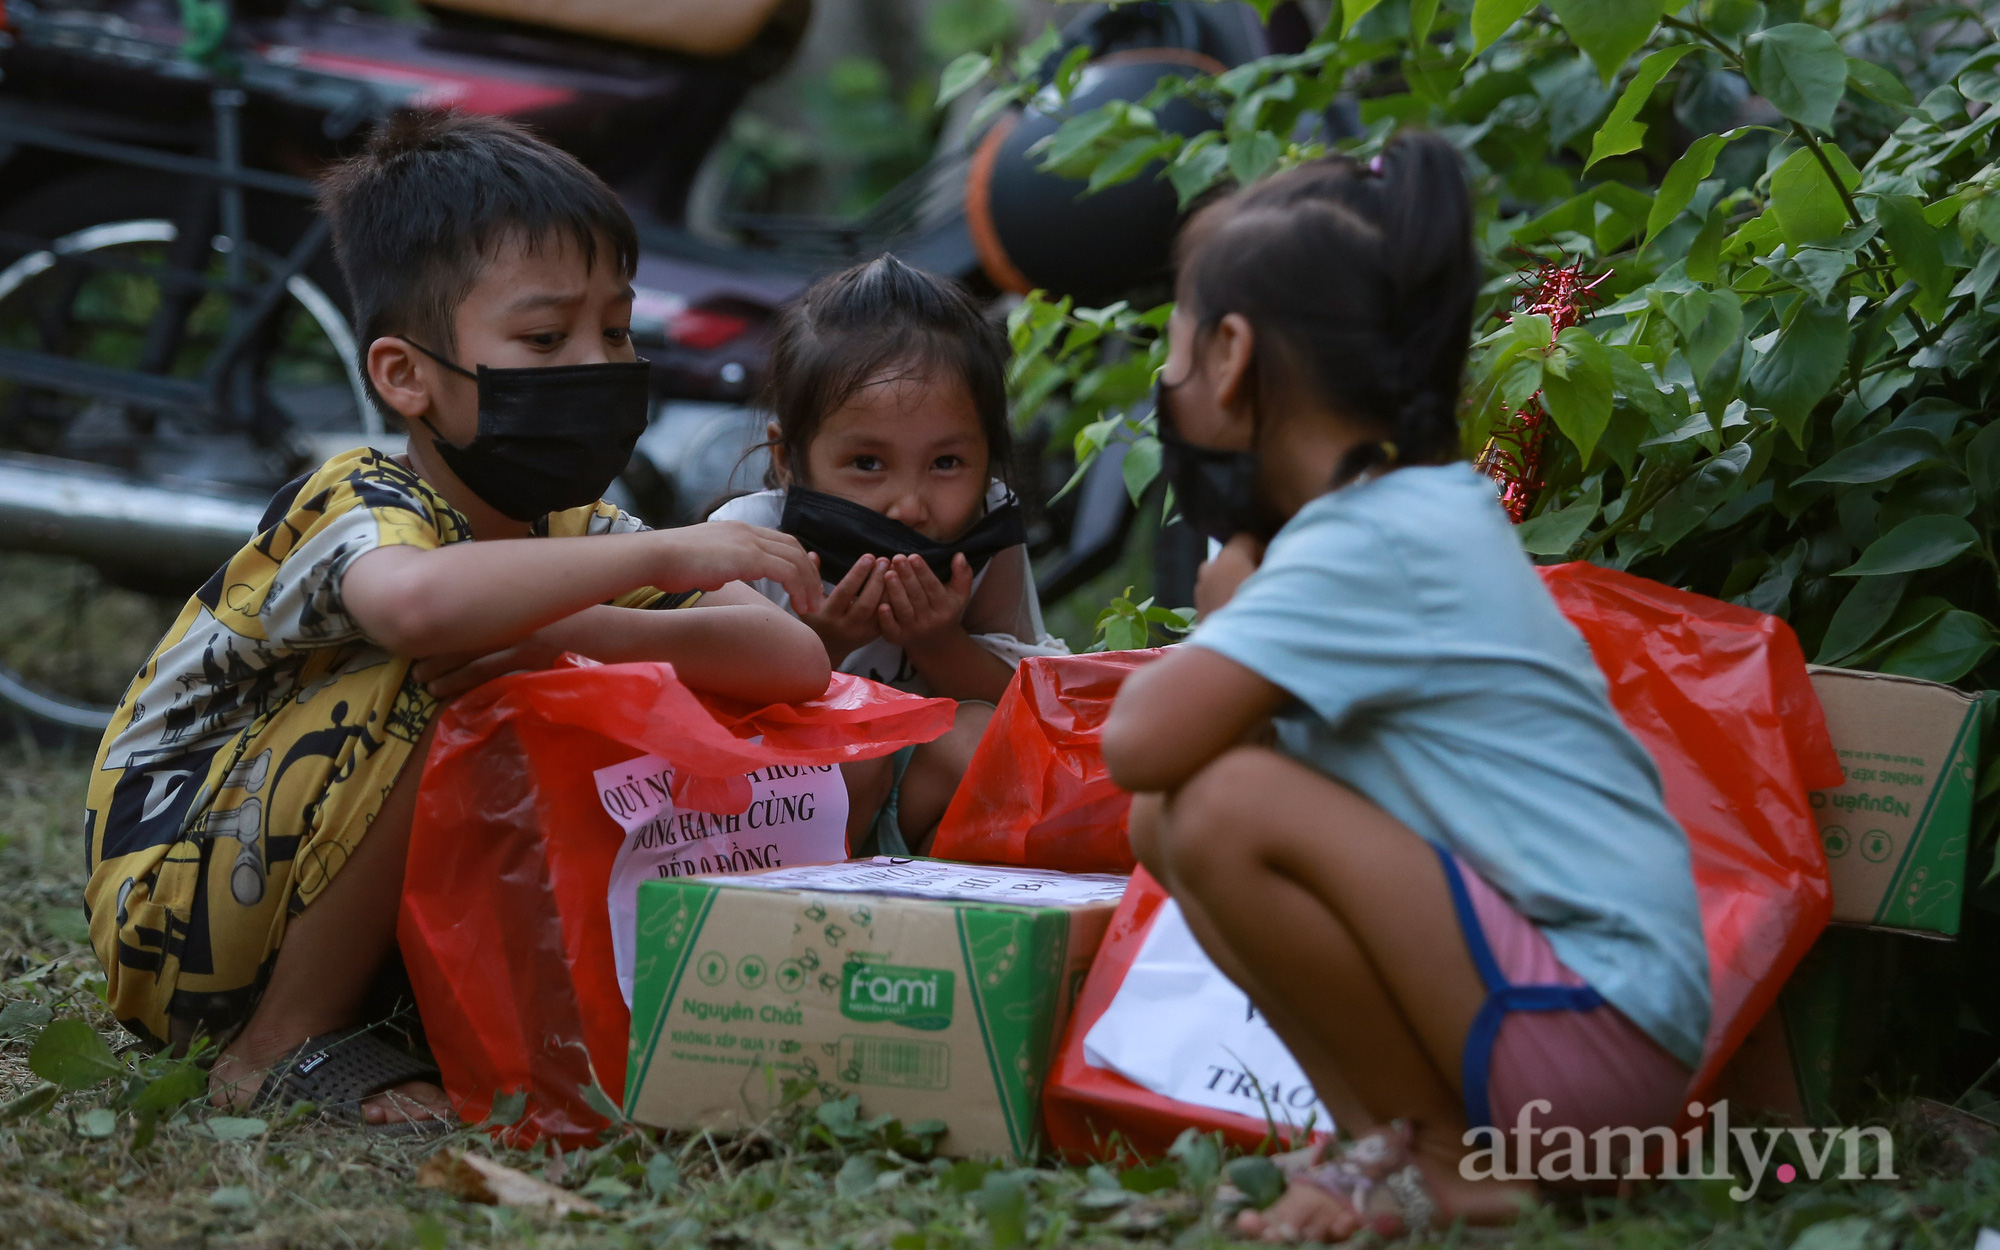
column 1031, row 228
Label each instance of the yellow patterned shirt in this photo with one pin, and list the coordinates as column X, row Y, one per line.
column 249, row 755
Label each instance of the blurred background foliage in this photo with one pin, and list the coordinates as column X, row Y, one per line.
column 858, row 111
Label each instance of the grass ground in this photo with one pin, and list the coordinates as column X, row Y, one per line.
column 74, row 1171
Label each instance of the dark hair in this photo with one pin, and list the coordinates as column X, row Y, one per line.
column 1358, row 281
column 849, row 328
column 417, row 212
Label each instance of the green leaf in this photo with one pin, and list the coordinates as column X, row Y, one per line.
column 1149, row 1179
column 163, row 1093
column 1142, row 465
column 1799, row 371
column 965, row 1176
column 1805, row 201
column 1580, row 403
column 1554, row 533
column 1622, row 130
column 71, row 1054
column 1952, row 646
column 1200, row 1162
column 856, row 1176
column 234, row 1128
column 1982, row 460
column 1704, row 254
column 1690, row 503
column 35, row 1101
column 1922, row 542
column 232, row 1198
column 1608, row 31
column 1914, row 241
column 1491, row 18
column 1860, row 616
column 1252, row 155
column 1258, row 1178
column 600, row 1102
column 1678, row 187
column 1423, row 16
column 1815, row 270
column 1889, row 454
column 1002, row 1199
column 1878, row 82
column 1127, row 160
column 1200, row 164
column 97, row 1122
column 507, row 1108
column 962, row 75
column 1709, row 322
column 1800, row 69
column 1352, row 11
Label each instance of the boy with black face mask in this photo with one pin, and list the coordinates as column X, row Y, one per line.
column 250, row 807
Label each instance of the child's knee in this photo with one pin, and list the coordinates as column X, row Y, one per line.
column 967, row 728
column 1203, row 823
column 868, row 783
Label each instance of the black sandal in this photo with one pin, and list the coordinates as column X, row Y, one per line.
column 336, row 1072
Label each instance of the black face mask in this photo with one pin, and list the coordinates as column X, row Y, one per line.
column 1215, row 490
column 549, row 438
column 841, row 531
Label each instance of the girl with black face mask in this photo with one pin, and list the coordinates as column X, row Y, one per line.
column 889, row 448
column 1383, row 779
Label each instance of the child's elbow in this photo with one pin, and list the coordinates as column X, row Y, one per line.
column 807, row 676
column 800, row 665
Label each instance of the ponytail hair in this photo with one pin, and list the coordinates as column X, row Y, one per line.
column 1358, row 282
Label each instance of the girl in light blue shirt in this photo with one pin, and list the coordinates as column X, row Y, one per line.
column 1384, row 779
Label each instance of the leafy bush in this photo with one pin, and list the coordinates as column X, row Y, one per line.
column 1779, row 397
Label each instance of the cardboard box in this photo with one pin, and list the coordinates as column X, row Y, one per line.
column 1865, row 1011
column 931, row 990
column 1895, row 833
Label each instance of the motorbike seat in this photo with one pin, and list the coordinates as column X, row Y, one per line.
column 709, row 29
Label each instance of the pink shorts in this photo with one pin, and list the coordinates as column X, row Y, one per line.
column 1556, row 1039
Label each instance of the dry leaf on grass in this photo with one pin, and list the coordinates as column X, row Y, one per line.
column 476, row 1178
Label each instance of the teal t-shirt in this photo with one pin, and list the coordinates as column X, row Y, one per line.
column 1435, row 675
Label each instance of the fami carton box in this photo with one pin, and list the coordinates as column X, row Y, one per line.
column 1895, row 832
column 931, row 990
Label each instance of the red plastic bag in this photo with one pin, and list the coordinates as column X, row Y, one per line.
column 1036, row 794
column 1719, row 696
column 504, row 926
column 1082, row 1105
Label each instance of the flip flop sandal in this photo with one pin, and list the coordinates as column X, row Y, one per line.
column 338, row 1071
column 1379, row 1162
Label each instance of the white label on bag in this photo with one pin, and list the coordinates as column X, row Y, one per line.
column 1181, row 1029
column 797, row 815
column 906, row 878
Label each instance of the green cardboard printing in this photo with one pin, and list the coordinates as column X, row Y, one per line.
column 939, row 1002
column 1895, row 831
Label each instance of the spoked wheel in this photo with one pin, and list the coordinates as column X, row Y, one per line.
column 111, row 513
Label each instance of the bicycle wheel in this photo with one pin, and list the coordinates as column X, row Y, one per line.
column 78, row 619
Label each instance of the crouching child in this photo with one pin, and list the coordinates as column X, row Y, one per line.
column 250, row 805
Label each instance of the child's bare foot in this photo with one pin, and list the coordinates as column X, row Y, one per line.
column 1367, row 1185
column 242, row 1068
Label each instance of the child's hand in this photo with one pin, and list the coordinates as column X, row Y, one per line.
column 847, row 621
column 1218, row 579
column 917, row 607
column 448, row 676
column 711, row 555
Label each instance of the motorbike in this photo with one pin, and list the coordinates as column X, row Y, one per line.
column 174, row 343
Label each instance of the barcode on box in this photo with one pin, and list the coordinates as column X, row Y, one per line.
column 894, row 1061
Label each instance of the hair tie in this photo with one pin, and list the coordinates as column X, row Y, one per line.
column 1375, row 164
